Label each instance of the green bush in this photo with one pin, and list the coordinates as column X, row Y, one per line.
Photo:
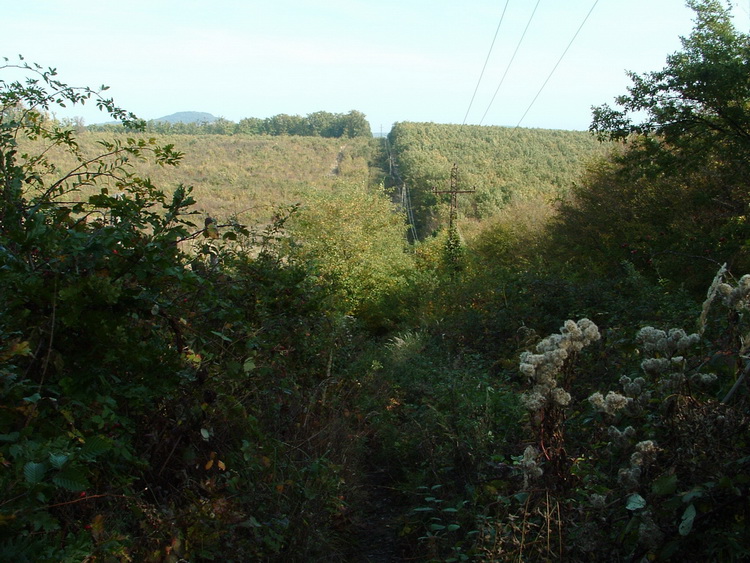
column 354, row 240
column 164, row 385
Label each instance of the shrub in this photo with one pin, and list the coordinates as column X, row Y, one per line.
column 163, row 383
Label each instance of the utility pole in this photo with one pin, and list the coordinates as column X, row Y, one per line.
column 453, row 191
column 453, row 243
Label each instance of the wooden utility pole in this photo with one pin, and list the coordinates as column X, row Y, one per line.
column 453, row 191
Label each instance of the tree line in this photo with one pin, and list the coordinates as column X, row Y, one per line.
column 318, row 124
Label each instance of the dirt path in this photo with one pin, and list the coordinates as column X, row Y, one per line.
column 335, row 169
column 381, row 520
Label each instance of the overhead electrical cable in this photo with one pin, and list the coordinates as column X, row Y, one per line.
column 405, row 197
column 410, row 213
column 510, row 62
column 481, row 74
column 558, row 62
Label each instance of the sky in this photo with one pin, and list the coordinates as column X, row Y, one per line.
column 393, row 60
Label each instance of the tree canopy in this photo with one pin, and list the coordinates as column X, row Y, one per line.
column 318, row 124
column 701, row 95
column 676, row 190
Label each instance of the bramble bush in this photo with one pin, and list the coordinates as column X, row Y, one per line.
column 167, row 389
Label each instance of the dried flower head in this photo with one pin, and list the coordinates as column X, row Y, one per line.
column 597, row 501
column 655, row 342
column 704, row 379
column 633, row 387
column 610, row 404
column 629, row 478
column 560, row 396
column 621, row 438
column 738, row 297
column 647, row 447
column 717, row 287
column 542, row 366
column 644, row 454
column 529, row 465
column 655, row 366
column 533, row 401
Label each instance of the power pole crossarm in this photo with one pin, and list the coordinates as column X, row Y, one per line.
column 453, row 191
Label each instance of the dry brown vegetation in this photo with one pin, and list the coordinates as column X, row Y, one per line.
column 247, row 177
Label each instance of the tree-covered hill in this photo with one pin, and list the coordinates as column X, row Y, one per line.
column 187, row 117
column 502, row 164
column 248, row 176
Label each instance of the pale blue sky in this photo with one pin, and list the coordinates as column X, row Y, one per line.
column 394, row 60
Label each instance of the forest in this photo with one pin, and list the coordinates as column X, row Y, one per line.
column 318, row 124
column 261, row 347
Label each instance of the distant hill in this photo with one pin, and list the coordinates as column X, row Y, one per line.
column 188, row 117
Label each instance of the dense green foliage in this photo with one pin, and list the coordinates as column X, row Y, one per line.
column 501, row 164
column 690, row 150
column 317, row 124
column 525, row 386
column 355, row 238
column 163, row 384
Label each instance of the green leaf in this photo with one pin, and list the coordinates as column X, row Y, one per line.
column 57, row 460
column 95, row 445
column 696, row 492
column 44, row 521
column 71, row 479
column 635, row 502
column 665, row 485
column 453, row 527
column 688, row 517
column 669, row 550
column 34, row 472
column 205, row 433
column 251, row 522
column 222, row 336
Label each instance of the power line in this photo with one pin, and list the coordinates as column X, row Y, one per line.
column 557, row 63
column 481, row 74
column 510, row 62
column 405, row 197
column 410, row 212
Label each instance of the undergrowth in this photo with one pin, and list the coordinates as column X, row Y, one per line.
column 181, row 387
